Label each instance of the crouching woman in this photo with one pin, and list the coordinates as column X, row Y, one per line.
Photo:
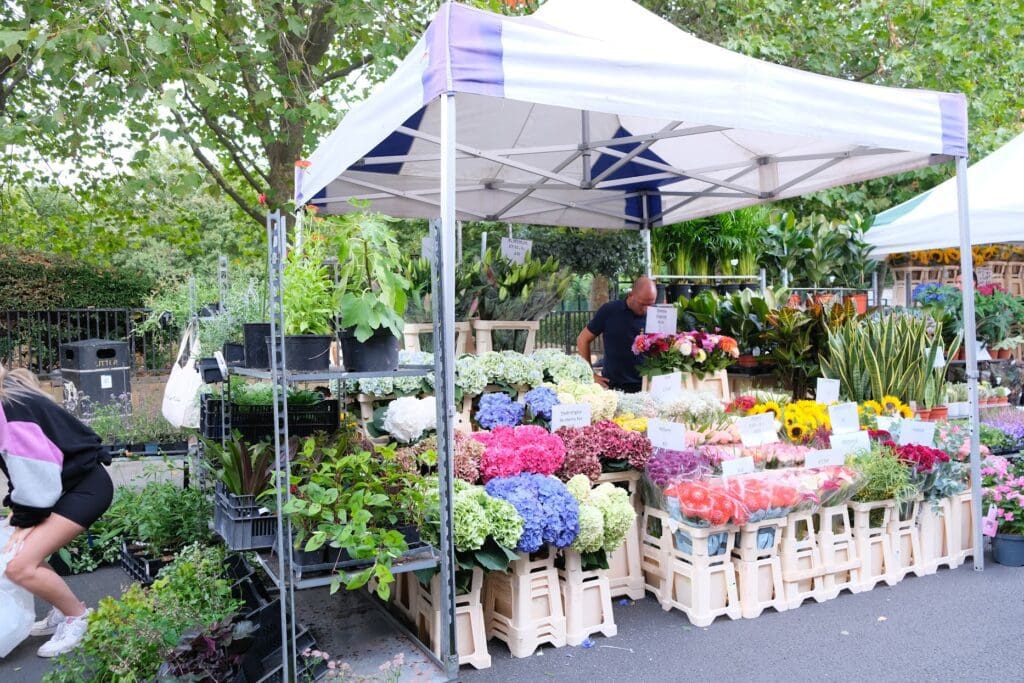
column 57, row 489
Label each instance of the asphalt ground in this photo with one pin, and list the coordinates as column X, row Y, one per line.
column 954, row 625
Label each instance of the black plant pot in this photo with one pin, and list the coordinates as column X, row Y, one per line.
column 234, row 354
column 679, row 291
column 730, row 288
column 697, row 289
column 661, row 295
column 256, row 354
column 306, row 352
column 379, row 353
column 209, row 370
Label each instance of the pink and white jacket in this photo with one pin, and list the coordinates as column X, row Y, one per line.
column 44, row 451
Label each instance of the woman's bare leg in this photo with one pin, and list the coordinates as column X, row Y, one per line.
column 29, row 570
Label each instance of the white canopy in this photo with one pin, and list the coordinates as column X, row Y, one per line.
column 929, row 221
column 598, row 113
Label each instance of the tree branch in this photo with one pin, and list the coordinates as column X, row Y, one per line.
column 232, row 149
column 215, row 172
column 342, row 73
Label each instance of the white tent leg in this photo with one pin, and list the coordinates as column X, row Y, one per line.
column 971, row 347
column 646, row 232
column 444, row 372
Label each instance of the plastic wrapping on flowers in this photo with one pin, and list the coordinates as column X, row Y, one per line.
column 550, row 513
column 510, row 451
column 831, row 485
column 737, row 500
column 778, row 454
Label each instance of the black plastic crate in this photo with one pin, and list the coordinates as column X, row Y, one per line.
column 255, row 423
column 139, row 567
column 240, row 522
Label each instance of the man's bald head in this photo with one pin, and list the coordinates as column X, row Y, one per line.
column 642, row 296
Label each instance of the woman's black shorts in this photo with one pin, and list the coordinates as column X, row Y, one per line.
column 88, row 499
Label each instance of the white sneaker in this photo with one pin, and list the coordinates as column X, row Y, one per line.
column 69, row 634
column 47, row 626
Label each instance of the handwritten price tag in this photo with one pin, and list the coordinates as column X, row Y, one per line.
column 827, row 391
column 515, row 250
column 570, row 415
column 917, row 432
column 664, row 387
column 661, row 319
column 744, row 465
column 844, row 418
column 756, row 430
column 824, row 458
column 851, row 442
column 670, row 435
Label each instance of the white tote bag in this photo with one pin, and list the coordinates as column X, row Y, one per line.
column 17, row 606
column 181, row 395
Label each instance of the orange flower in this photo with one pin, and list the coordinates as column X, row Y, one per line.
column 728, row 344
column 312, row 208
column 302, row 163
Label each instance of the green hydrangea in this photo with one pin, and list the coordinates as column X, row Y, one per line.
column 506, row 524
column 617, row 511
column 469, row 375
column 511, row 368
column 591, row 535
column 470, row 522
column 559, row 367
column 579, row 487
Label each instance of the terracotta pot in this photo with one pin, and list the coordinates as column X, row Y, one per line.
column 826, row 298
column 940, row 413
column 923, row 414
column 1003, row 401
column 794, row 300
column 747, row 360
column 1003, row 354
column 960, row 355
column 860, row 302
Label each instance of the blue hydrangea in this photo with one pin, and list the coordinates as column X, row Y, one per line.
column 498, row 410
column 540, row 401
column 550, row 513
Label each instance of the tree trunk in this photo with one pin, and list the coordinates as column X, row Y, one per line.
column 598, row 292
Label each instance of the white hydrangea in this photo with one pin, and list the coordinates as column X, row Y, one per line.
column 640, row 404
column 601, row 401
column 407, row 418
column 696, row 409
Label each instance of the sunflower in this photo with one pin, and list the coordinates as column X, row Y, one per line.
column 774, row 407
column 874, row 406
column 759, row 409
column 891, row 404
column 906, row 412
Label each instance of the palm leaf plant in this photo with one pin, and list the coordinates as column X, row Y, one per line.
column 244, row 468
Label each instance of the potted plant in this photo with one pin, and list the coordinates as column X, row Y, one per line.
column 242, row 471
column 855, row 263
column 786, row 245
column 307, row 297
column 210, row 653
column 371, row 293
column 1003, row 522
column 1002, row 395
column 1004, row 348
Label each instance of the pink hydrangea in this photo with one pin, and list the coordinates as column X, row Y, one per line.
column 509, row 451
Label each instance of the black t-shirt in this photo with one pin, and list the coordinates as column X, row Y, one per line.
column 620, row 326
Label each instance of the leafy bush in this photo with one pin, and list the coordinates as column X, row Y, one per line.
column 35, row 281
column 164, row 517
column 129, row 637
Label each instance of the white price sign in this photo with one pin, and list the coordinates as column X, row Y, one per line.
column 569, row 415
column 744, row 465
column 515, row 250
column 827, row 391
column 982, row 351
column 844, row 418
column 427, row 249
column 824, row 458
column 851, row 442
column 665, row 387
column 106, row 382
column 983, row 274
column 758, row 429
column 917, row 432
column 885, row 422
column 661, row 319
column 669, row 435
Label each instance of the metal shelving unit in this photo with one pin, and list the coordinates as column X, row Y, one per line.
column 284, row 574
column 421, row 558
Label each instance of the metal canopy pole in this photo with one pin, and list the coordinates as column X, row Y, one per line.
column 646, row 232
column 277, row 238
column 971, row 344
column 444, row 374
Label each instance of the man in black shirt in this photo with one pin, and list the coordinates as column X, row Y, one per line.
column 620, row 322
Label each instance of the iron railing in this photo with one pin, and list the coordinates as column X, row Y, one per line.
column 559, row 329
column 32, row 339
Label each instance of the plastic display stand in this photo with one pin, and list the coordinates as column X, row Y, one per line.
column 523, row 607
column 469, row 619
column 587, row 600
column 759, row 567
column 874, row 544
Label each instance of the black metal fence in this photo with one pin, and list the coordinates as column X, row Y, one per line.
column 32, row 339
column 559, row 329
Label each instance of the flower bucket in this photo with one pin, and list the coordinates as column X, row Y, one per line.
column 379, row 353
column 1008, row 549
column 860, row 302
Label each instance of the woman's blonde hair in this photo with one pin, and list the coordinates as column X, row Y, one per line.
column 18, row 384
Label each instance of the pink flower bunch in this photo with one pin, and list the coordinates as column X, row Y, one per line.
column 779, row 454
column 509, row 451
column 692, row 351
column 729, row 435
column 1003, row 495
